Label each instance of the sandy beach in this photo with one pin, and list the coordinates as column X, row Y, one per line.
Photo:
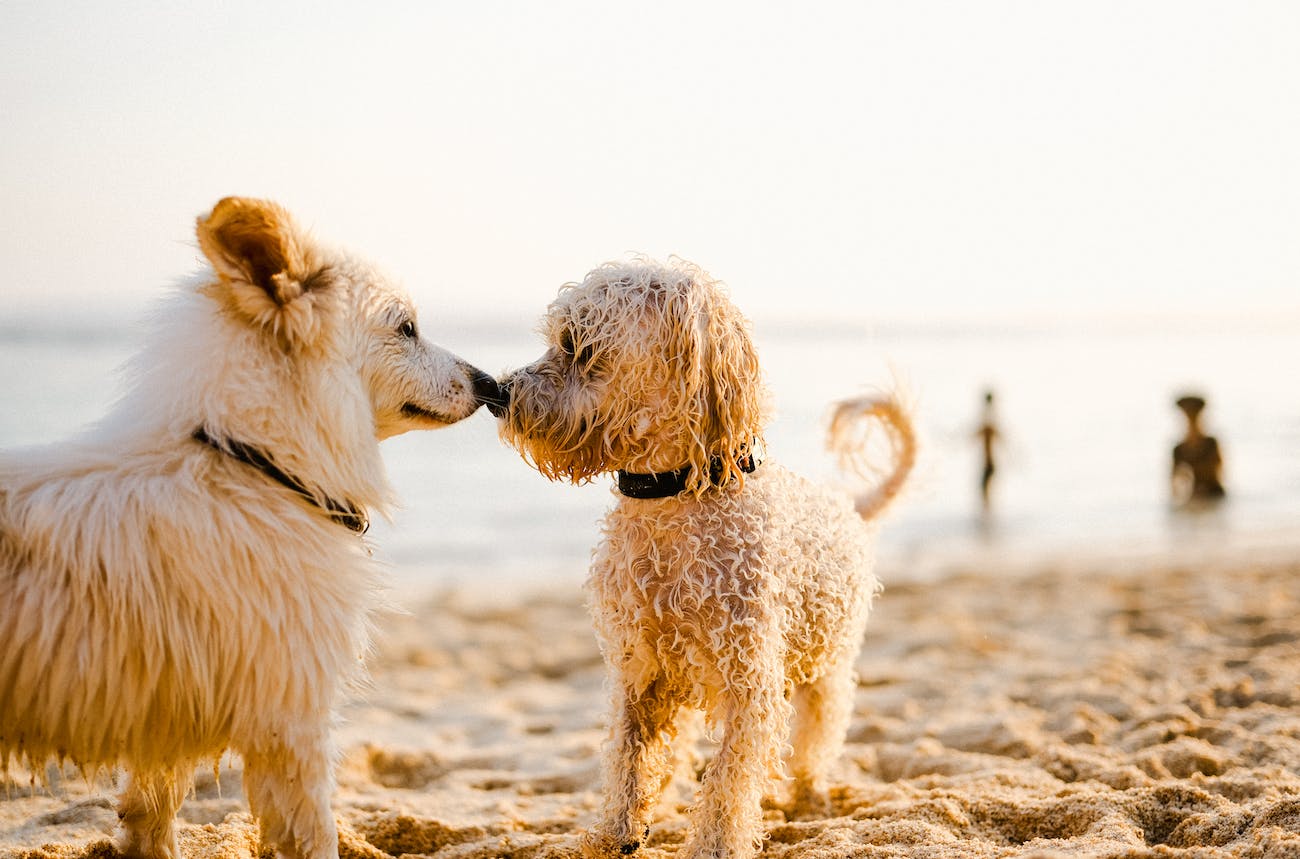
column 1132, row 711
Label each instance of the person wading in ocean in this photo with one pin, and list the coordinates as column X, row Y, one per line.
column 1198, row 464
column 987, row 434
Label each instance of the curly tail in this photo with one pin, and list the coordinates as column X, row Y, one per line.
column 846, row 438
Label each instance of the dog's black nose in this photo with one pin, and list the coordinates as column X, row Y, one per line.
column 489, row 393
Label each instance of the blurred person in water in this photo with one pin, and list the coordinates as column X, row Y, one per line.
column 1198, row 463
column 987, row 434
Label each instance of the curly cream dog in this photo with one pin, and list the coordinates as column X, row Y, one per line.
column 189, row 576
column 721, row 583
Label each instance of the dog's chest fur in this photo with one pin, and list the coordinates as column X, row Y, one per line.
column 675, row 579
column 242, row 603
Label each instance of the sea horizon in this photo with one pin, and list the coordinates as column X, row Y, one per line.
column 1086, row 413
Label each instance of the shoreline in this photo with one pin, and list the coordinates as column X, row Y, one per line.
column 1005, row 556
column 1087, row 709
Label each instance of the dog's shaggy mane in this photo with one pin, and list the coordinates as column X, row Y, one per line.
column 710, row 391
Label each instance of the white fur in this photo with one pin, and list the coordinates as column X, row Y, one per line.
column 160, row 600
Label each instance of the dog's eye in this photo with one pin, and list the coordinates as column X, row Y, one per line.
column 407, row 330
column 566, row 342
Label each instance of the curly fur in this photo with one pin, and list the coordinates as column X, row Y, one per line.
column 161, row 601
column 702, row 401
column 746, row 597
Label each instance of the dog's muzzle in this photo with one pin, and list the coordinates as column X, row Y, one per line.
column 489, row 393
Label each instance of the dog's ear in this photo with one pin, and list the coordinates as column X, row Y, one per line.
column 263, row 264
column 255, row 242
column 731, row 397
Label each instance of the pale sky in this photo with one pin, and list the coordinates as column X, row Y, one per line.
column 866, row 160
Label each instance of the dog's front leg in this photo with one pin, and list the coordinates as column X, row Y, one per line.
column 727, row 819
column 638, row 766
column 148, row 809
column 289, row 784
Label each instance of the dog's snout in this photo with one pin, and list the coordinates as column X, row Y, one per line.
column 489, row 393
column 501, row 404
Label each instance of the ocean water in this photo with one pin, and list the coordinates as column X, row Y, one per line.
column 1086, row 413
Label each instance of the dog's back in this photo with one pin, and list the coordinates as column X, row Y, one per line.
column 783, row 544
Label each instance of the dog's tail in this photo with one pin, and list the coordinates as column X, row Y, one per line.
column 847, row 436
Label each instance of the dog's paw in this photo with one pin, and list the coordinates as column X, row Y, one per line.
column 809, row 802
column 602, row 845
column 134, row 845
column 630, row 847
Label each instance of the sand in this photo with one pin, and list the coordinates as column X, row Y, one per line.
column 1101, row 712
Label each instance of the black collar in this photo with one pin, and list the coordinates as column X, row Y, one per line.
column 347, row 515
column 665, row 484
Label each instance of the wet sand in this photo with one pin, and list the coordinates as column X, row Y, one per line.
column 1092, row 711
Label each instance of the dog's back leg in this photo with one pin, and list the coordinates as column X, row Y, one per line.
column 288, row 784
column 822, row 709
column 148, row 809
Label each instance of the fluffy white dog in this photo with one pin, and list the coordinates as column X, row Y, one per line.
column 190, row 577
column 722, row 582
